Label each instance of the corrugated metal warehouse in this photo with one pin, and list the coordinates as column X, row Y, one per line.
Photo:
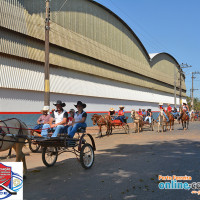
column 94, row 57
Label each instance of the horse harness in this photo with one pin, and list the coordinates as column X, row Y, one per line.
column 3, row 133
column 104, row 119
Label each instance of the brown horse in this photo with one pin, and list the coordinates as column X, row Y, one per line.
column 101, row 120
column 10, row 129
column 171, row 120
column 185, row 120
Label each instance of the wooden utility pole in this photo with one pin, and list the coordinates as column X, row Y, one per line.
column 46, row 67
column 181, row 73
column 175, row 86
column 193, row 77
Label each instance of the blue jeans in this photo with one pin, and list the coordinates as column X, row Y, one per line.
column 46, row 127
column 121, row 118
column 38, row 126
column 57, row 129
column 73, row 129
column 148, row 117
column 65, row 129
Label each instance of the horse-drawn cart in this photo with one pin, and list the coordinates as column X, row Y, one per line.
column 52, row 147
column 117, row 123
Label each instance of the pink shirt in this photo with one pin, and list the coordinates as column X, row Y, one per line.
column 44, row 119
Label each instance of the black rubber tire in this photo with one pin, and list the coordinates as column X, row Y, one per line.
column 82, row 154
column 34, row 147
column 52, row 151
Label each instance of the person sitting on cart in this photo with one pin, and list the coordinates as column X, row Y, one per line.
column 60, row 116
column 43, row 119
column 79, row 119
column 144, row 114
column 149, row 115
column 112, row 113
column 69, row 121
column 121, row 116
column 140, row 112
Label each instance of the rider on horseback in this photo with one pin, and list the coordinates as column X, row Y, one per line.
column 184, row 108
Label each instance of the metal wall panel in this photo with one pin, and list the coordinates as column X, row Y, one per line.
column 79, row 33
column 17, row 74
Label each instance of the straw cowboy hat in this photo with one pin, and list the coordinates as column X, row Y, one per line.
column 111, row 109
column 59, row 102
column 121, row 107
column 160, row 104
column 45, row 108
column 80, row 103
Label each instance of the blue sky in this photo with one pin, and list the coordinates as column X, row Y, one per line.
column 171, row 26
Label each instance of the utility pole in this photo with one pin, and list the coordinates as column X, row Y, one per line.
column 175, row 86
column 46, row 67
column 193, row 77
column 181, row 73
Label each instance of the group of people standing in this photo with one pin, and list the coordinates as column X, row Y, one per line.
column 60, row 122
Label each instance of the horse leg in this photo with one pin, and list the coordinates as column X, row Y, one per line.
column 99, row 133
column 170, row 123
column 9, row 154
column 20, row 156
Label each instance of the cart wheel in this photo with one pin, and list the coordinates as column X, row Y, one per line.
column 126, row 128
column 34, row 147
column 49, row 156
column 87, row 156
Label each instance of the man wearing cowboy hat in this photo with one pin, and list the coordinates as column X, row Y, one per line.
column 43, row 119
column 60, row 116
column 79, row 119
column 121, row 116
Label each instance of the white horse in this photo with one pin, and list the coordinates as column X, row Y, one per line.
column 11, row 130
column 162, row 120
column 138, row 121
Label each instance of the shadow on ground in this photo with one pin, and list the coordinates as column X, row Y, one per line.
column 125, row 172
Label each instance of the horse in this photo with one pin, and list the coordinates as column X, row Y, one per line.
column 171, row 120
column 101, row 120
column 185, row 120
column 192, row 117
column 10, row 129
column 161, row 120
column 138, row 120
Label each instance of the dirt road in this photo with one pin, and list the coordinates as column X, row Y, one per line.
column 126, row 167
